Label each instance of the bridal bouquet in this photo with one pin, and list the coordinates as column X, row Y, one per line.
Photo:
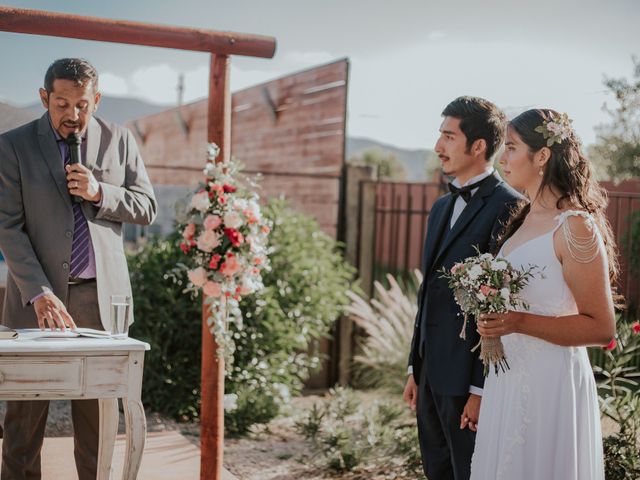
column 224, row 238
column 488, row 284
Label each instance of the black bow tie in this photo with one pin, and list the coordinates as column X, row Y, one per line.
column 465, row 192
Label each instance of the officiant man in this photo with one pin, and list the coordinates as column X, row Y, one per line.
column 446, row 378
column 61, row 235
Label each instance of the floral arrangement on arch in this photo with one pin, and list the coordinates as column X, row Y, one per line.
column 224, row 238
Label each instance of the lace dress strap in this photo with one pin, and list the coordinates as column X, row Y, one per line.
column 583, row 248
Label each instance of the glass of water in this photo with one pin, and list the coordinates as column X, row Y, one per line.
column 120, row 305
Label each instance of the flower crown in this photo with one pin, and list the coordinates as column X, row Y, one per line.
column 556, row 130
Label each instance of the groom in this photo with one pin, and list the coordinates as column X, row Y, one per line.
column 445, row 378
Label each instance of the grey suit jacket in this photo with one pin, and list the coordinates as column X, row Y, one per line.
column 36, row 216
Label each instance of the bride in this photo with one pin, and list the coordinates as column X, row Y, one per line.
column 540, row 419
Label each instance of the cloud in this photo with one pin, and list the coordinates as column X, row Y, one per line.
column 111, row 84
column 159, row 83
column 397, row 96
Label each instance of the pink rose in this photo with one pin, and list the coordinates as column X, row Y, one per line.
column 212, row 289
column 212, row 222
column 188, row 231
column 230, row 267
column 485, row 290
column 611, row 345
column 213, row 263
column 208, row 240
column 456, row 267
column 214, row 187
column 197, row 276
column 245, row 289
column 234, row 236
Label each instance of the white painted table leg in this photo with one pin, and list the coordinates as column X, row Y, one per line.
column 108, row 431
column 135, row 419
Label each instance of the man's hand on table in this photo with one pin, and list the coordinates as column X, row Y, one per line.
column 51, row 310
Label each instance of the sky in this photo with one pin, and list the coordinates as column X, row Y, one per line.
column 408, row 58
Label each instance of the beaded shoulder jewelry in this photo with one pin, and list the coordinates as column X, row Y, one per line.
column 583, row 248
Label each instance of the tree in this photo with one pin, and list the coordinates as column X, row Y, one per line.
column 617, row 148
column 386, row 164
column 433, row 166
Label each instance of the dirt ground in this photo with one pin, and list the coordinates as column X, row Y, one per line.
column 272, row 452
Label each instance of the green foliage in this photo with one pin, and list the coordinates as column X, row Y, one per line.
column 304, row 296
column 617, row 148
column 387, row 165
column 277, row 347
column 433, row 166
column 620, row 401
column 171, row 323
column 351, row 437
column 252, row 408
column 309, row 427
column 388, row 322
column 631, row 240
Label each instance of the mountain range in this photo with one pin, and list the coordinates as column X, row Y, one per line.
column 121, row 110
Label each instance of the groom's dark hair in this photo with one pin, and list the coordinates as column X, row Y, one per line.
column 77, row 70
column 479, row 119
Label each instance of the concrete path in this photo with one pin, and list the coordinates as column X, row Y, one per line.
column 167, row 456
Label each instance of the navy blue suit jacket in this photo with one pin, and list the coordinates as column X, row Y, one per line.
column 450, row 365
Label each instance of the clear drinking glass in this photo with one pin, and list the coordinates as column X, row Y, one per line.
column 120, row 305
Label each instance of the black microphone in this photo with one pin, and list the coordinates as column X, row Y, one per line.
column 74, row 142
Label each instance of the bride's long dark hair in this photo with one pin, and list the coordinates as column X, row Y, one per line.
column 567, row 173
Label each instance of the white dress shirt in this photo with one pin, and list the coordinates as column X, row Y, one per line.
column 458, row 207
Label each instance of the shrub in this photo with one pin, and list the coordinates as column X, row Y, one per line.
column 388, row 323
column 620, row 401
column 277, row 346
column 381, row 439
column 171, row 323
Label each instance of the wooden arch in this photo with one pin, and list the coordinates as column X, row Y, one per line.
column 220, row 45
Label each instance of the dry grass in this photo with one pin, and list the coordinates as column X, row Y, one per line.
column 388, row 321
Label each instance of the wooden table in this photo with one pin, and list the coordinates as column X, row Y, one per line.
column 83, row 368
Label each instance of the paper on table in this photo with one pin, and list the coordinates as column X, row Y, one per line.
column 34, row 333
column 7, row 333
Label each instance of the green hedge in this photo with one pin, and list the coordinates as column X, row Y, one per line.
column 276, row 350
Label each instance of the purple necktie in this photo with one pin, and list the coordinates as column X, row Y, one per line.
column 81, row 240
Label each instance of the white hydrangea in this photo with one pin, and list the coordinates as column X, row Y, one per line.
column 282, row 391
column 505, row 294
column 200, row 201
column 475, row 272
column 233, row 220
column 230, row 402
column 498, row 265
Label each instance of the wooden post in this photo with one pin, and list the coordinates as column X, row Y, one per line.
column 212, row 376
column 367, row 236
column 353, row 208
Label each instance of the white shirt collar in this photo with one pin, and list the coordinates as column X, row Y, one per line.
column 475, row 179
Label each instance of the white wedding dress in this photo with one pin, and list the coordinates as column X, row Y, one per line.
column 540, row 419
